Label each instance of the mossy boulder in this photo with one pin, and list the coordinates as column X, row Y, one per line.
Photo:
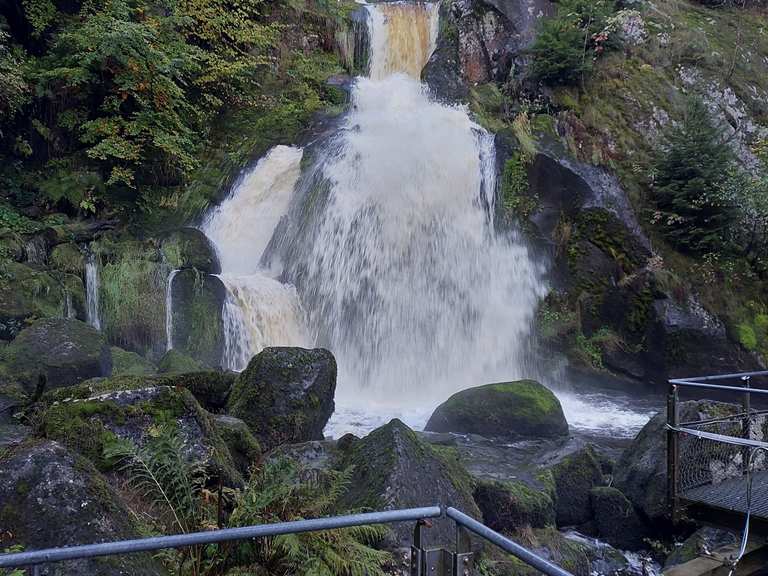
column 51, row 497
column 63, row 350
column 68, row 258
column 26, row 293
column 174, row 362
column 88, row 425
column 11, row 246
column 285, row 395
column 615, row 519
column 132, row 294
column 513, row 505
column 393, row 469
column 197, row 323
column 507, row 410
column 641, row 473
column 574, row 477
column 125, row 363
column 242, row 444
column 190, row 248
column 210, row 389
column 548, row 543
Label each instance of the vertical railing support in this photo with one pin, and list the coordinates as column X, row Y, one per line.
column 673, row 452
column 746, row 425
column 462, row 559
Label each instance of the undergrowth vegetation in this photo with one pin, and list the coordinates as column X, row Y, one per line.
column 176, row 495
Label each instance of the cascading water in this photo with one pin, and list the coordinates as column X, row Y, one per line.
column 259, row 311
column 388, row 239
column 169, row 310
column 92, row 287
column 402, row 275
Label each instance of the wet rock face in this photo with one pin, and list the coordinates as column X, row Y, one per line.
column 198, row 302
column 641, row 473
column 574, row 477
column 513, row 505
column 616, row 521
column 50, row 497
column 394, row 469
column 62, row 350
column 507, row 410
column 190, row 248
column 481, row 41
column 285, row 395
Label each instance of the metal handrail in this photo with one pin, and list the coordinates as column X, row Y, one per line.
column 214, row 536
column 694, row 380
column 36, row 557
column 505, row 543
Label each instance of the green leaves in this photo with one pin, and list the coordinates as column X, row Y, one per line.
column 691, row 170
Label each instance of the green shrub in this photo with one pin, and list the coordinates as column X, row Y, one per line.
column 568, row 43
column 747, row 337
column 691, row 169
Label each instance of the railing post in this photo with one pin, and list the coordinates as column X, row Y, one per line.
column 746, row 425
column 462, row 559
column 673, row 452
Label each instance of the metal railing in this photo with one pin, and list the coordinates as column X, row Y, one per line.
column 432, row 562
column 709, row 455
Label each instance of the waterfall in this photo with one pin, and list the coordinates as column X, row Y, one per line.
column 402, row 274
column 259, row 310
column 169, row 310
column 92, row 287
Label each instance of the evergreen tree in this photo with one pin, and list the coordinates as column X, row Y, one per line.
column 690, row 171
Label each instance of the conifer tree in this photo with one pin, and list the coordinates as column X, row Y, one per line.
column 690, row 171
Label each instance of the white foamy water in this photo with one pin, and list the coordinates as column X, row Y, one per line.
column 169, row 310
column 92, row 287
column 391, row 247
column 259, row 310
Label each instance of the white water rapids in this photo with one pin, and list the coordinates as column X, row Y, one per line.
column 387, row 254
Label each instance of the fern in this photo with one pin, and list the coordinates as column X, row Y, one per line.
column 279, row 492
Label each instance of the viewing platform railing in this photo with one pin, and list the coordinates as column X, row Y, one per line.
column 424, row 561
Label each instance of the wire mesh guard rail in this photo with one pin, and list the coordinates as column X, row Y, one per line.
column 424, row 561
column 717, row 458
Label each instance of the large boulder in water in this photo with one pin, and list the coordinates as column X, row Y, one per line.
column 50, row 497
column 514, row 505
column 197, row 322
column 285, row 395
column 507, row 410
column 573, row 478
column 63, row 350
column 394, row 469
column 641, row 473
column 615, row 519
column 190, row 248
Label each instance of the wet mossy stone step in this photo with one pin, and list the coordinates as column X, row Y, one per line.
column 521, row 409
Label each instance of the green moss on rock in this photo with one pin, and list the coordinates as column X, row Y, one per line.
column 574, row 478
column 509, row 409
column 615, row 519
column 125, row 363
column 285, row 395
column 68, row 258
column 25, row 294
column 513, row 505
column 64, row 351
column 174, row 362
column 190, row 248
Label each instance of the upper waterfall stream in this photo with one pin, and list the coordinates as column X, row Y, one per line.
column 381, row 247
